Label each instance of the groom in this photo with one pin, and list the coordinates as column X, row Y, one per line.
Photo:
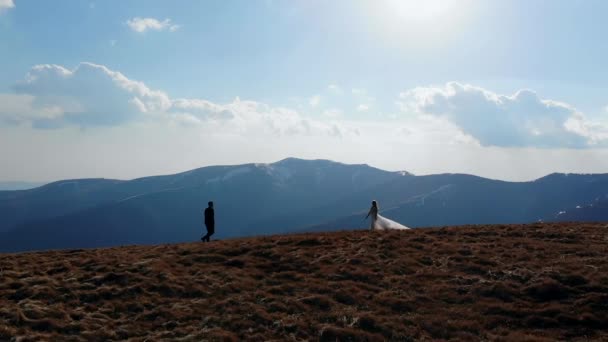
column 209, row 222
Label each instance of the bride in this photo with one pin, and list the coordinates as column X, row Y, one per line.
column 381, row 223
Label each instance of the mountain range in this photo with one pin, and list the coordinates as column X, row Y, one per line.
column 292, row 195
column 17, row 185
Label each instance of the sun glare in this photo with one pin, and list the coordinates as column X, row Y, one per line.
column 420, row 10
column 428, row 21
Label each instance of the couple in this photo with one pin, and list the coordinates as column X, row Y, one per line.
column 379, row 222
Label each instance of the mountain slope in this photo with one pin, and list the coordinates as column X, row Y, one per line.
column 287, row 196
column 597, row 211
column 532, row 282
column 449, row 199
column 54, row 199
column 243, row 193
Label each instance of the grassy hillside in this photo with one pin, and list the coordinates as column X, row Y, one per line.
column 515, row 282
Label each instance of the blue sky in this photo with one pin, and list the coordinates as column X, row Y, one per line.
column 504, row 89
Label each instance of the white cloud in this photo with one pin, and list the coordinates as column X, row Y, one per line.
column 362, row 108
column 314, row 101
column 52, row 96
column 17, row 108
column 6, row 5
column 88, row 95
column 250, row 118
column 518, row 120
column 142, row 25
column 359, row 91
column 595, row 132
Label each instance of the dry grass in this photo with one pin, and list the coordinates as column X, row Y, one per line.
column 516, row 282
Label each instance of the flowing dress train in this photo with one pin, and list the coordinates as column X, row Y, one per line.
column 382, row 223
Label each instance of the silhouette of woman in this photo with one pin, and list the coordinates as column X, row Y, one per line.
column 381, row 223
column 373, row 212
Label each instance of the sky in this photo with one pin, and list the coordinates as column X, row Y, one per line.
column 510, row 90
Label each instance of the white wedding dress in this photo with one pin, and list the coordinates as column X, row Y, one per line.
column 382, row 223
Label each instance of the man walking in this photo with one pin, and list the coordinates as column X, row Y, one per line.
column 209, row 222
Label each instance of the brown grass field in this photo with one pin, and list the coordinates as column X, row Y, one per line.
column 535, row 282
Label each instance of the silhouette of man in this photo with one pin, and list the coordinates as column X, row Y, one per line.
column 209, row 222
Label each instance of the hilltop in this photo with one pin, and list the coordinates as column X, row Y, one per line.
column 531, row 282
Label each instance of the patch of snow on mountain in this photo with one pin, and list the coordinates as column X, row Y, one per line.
column 148, row 193
column 282, row 173
column 229, row 175
column 279, row 173
column 235, row 172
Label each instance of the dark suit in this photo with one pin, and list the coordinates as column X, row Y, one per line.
column 209, row 223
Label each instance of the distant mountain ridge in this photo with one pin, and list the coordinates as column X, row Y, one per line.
column 287, row 196
column 17, row 185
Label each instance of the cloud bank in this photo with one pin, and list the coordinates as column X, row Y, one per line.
column 519, row 120
column 91, row 95
column 52, row 96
